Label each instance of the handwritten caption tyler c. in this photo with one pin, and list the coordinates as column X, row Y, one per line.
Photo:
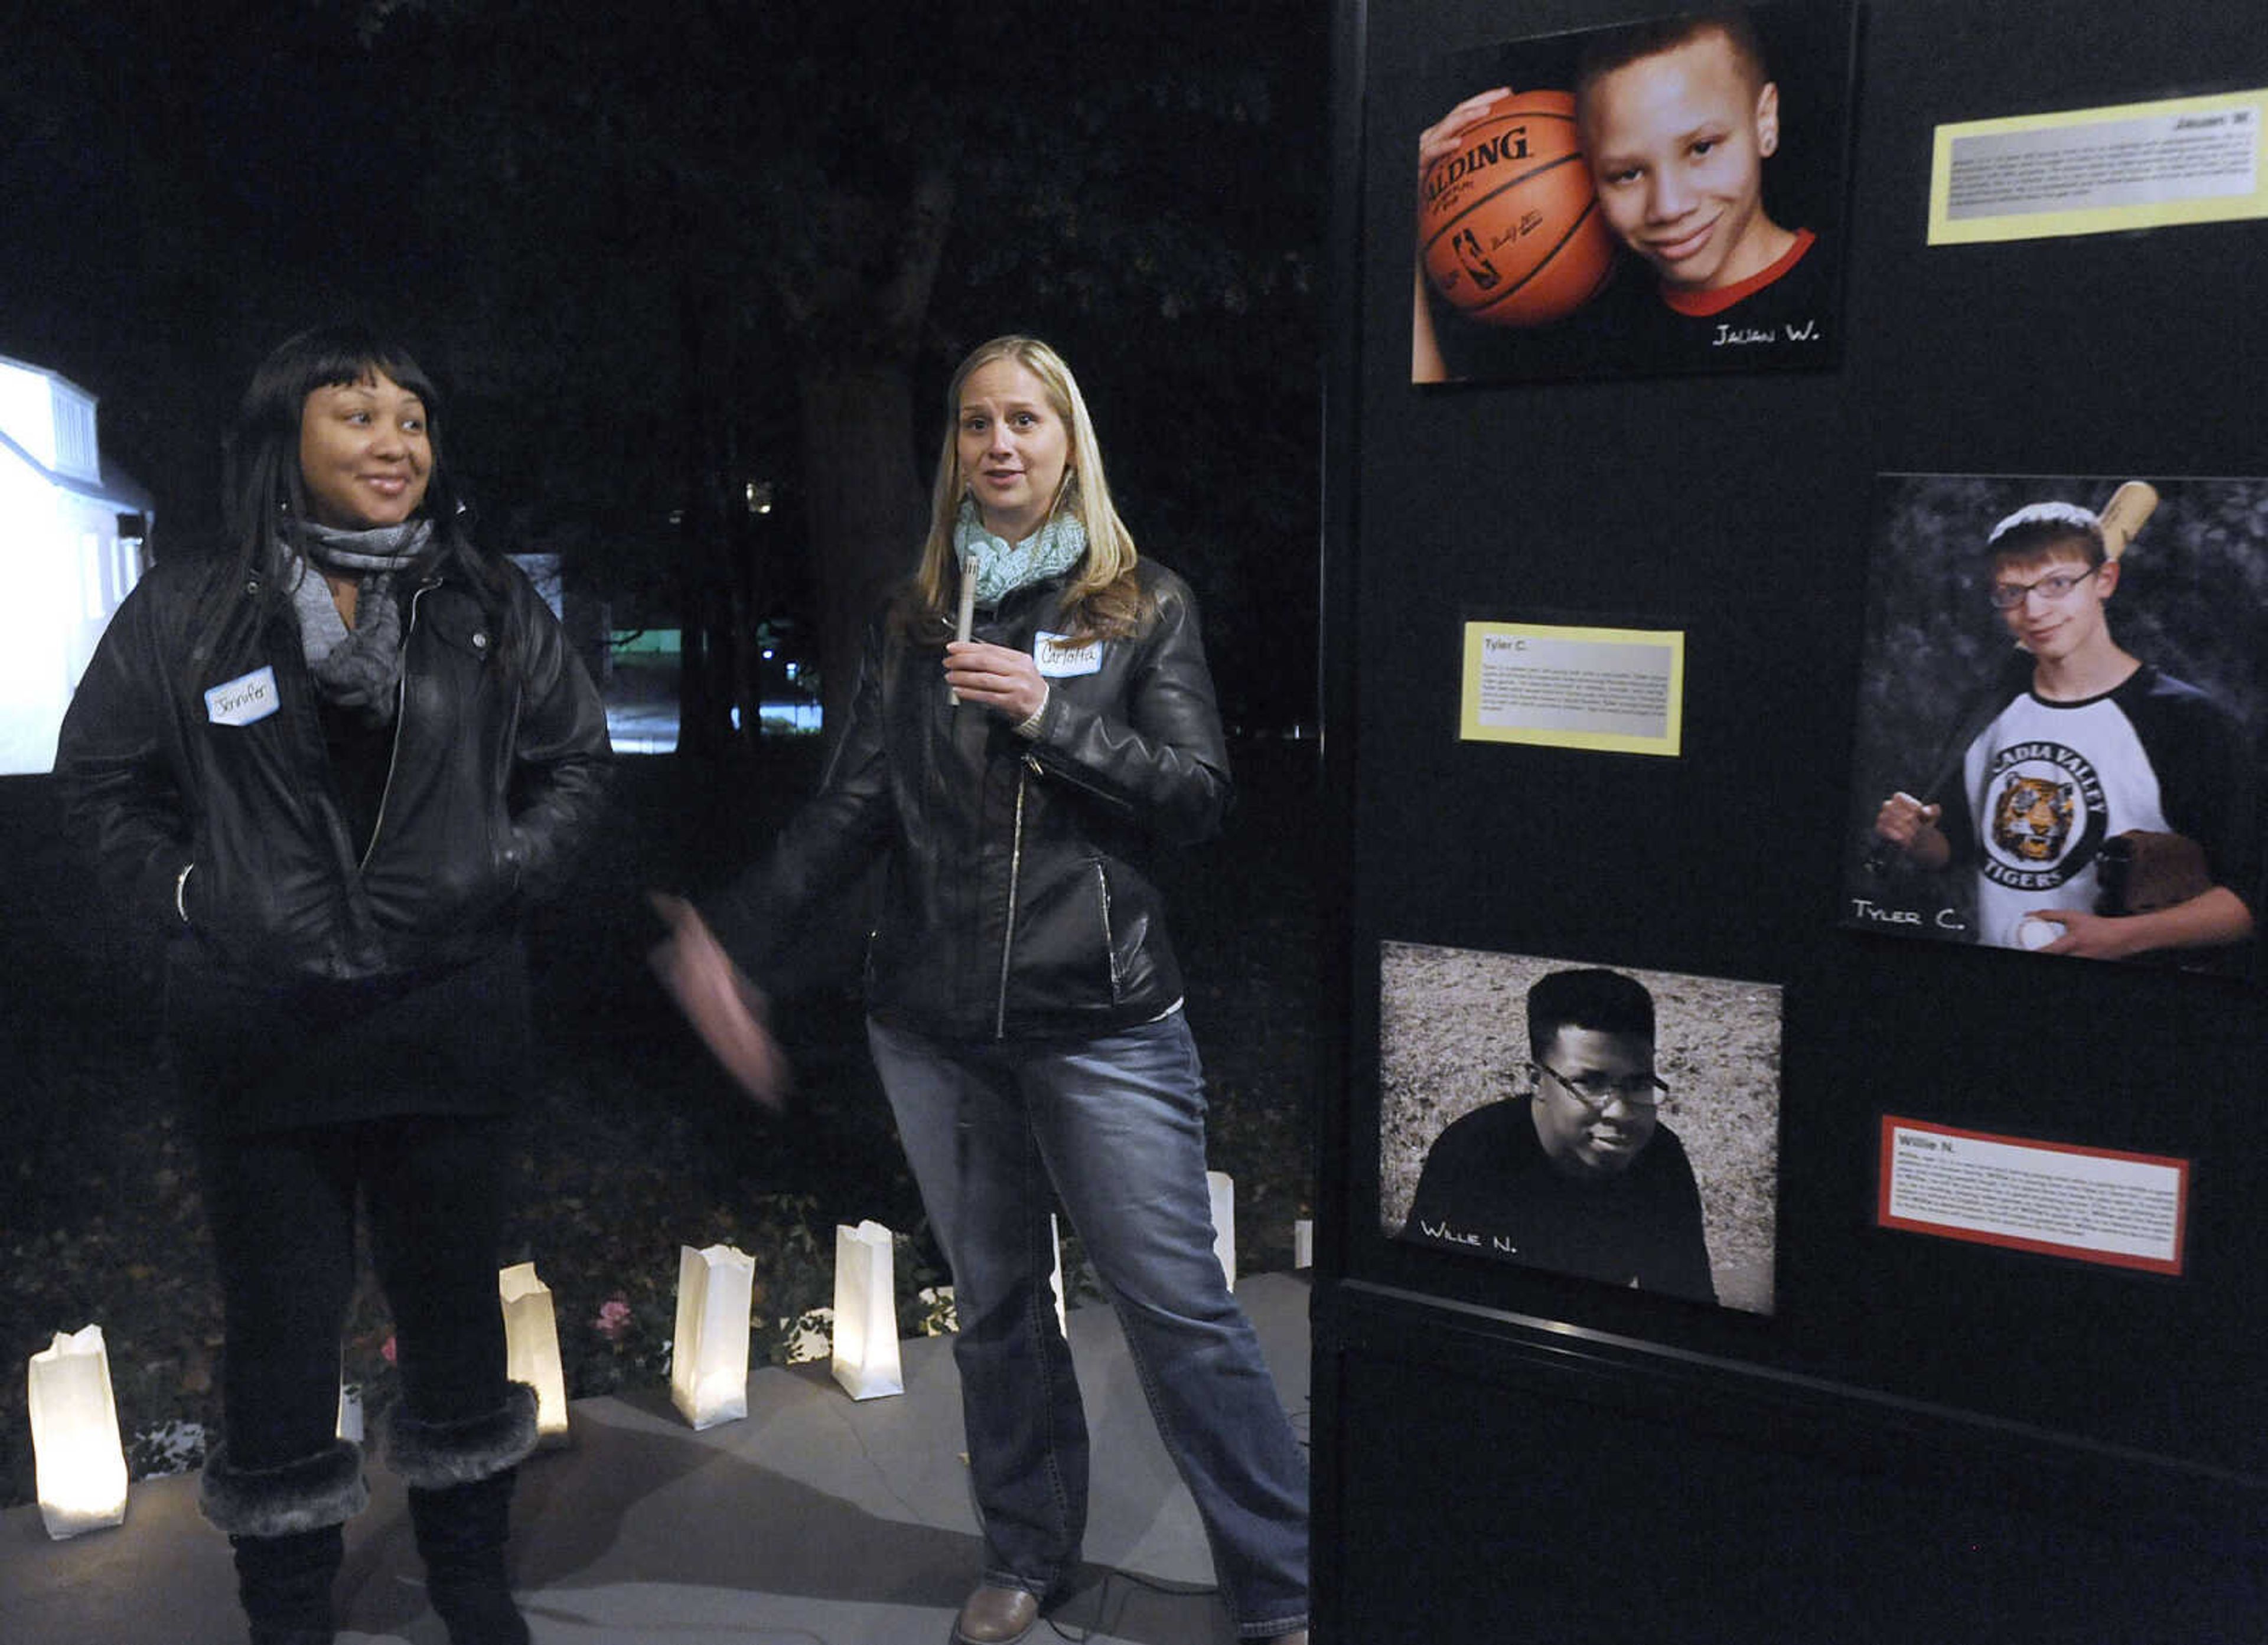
column 1874, row 914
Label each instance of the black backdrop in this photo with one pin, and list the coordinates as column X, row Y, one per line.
column 1504, row 1427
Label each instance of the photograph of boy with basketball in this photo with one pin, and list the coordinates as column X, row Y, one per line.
column 1626, row 202
column 2059, row 717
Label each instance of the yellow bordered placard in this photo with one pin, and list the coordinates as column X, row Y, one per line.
column 2098, row 170
column 1614, row 690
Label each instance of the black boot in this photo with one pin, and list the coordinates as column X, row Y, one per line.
column 460, row 1477
column 285, row 1584
column 460, row 1534
column 283, row 1523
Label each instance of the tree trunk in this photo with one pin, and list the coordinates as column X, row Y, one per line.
column 867, row 512
column 867, row 494
column 706, row 688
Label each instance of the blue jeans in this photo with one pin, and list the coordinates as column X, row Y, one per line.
column 1116, row 1124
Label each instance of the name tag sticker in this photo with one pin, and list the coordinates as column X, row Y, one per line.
column 243, row 700
column 1059, row 659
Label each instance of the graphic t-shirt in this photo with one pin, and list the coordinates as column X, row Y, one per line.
column 2045, row 784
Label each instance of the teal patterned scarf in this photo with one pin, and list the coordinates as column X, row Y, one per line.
column 1002, row 568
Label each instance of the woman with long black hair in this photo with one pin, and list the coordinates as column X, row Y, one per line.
column 333, row 760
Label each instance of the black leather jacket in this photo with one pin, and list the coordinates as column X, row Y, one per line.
column 1014, row 905
column 495, row 778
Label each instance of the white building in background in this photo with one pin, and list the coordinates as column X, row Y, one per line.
column 72, row 542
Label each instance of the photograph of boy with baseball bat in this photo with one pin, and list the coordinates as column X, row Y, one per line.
column 2036, row 775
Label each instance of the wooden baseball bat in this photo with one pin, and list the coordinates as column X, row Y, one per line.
column 2123, row 518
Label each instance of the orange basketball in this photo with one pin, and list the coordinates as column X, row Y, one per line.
column 1508, row 227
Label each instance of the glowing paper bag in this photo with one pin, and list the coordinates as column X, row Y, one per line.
column 531, row 1348
column 1223, row 1190
column 81, row 1467
column 709, row 1353
column 866, row 1314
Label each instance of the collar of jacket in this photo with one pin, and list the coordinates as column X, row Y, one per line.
column 1017, row 604
column 434, row 578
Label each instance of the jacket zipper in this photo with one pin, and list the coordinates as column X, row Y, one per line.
column 400, row 708
column 1066, row 773
column 1109, row 945
column 1008, row 930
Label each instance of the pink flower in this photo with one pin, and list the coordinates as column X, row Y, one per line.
column 614, row 1318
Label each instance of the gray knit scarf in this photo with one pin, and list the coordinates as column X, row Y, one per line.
column 357, row 668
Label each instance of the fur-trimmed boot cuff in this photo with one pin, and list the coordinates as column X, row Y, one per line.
column 437, row 1454
column 324, row 1489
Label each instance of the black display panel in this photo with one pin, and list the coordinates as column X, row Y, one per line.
column 1741, row 512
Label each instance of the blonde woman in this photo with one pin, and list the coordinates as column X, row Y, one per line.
column 1024, row 1002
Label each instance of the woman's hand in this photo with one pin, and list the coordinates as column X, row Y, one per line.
column 994, row 677
column 724, row 1008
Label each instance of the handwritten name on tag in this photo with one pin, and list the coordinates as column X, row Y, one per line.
column 1058, row 658
column 243, row 700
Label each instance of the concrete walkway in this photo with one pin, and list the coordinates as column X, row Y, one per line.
column 818, row 1520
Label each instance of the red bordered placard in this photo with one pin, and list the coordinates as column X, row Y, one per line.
column 2101, row 1205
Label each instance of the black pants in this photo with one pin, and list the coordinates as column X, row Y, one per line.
column 282, row 1207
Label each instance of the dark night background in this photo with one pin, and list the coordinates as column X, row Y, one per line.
column 655, row 257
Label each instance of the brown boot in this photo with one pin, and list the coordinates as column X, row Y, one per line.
column 996, row 1616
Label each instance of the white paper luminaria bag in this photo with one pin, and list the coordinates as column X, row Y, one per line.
column 81, row 1466
column 708, row 1353
column 531, row 1348
column 866, row 1314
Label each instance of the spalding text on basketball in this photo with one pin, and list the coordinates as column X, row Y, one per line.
column 1510, row 144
